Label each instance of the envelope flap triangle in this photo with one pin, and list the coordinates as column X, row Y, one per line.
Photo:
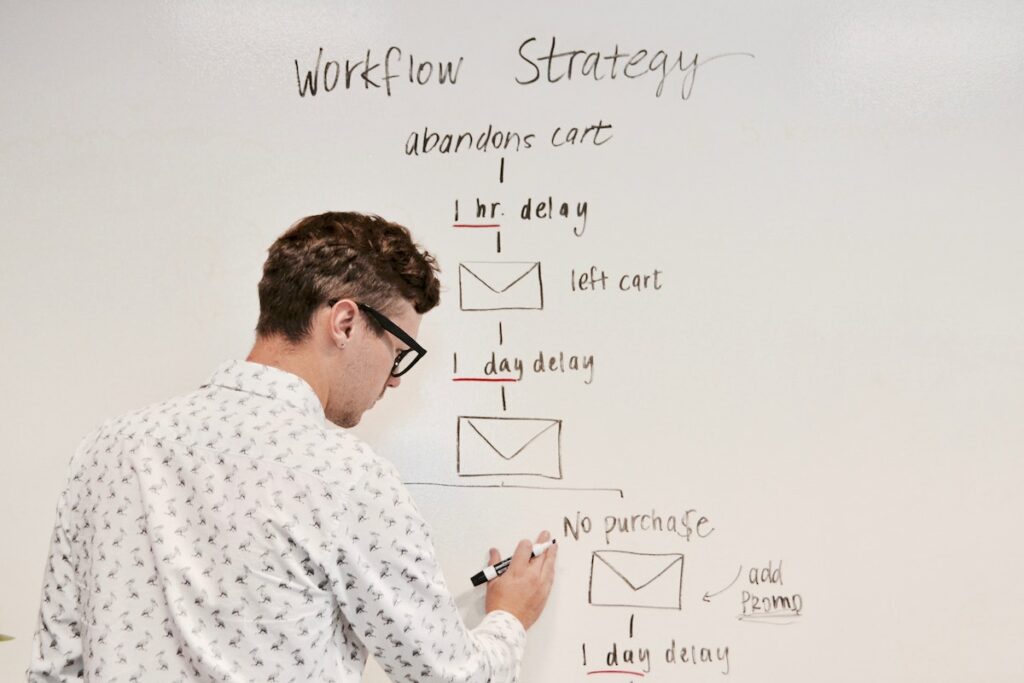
column 510, row 436
column 638, row 569
column 500, row 276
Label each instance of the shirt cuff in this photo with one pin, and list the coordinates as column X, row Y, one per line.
column 508, row 628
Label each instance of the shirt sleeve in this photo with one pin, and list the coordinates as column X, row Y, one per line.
column 390, row 590
column 57, row 643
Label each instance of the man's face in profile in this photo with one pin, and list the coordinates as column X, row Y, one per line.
column 369, row 358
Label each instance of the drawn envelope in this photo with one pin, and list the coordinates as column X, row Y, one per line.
column 500, row 285
column 624, row 579
column 509, row 445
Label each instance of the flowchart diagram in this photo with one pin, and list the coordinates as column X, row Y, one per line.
column 641, row 570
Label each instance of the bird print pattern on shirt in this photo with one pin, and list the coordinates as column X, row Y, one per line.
column 233, row 534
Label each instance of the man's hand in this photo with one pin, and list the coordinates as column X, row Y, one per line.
column 524, row 587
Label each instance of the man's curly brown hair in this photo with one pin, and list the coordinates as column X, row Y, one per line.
column 342, row 255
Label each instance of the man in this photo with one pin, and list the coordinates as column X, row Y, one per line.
column 231, row 534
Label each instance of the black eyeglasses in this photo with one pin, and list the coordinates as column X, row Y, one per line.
column 406, row 358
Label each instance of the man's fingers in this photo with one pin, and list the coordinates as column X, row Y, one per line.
column 521, row 557
column 545, row 559
column 547, row 569
column 494, row 556
column 539, row 562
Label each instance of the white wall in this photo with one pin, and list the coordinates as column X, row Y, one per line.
column 830, row 372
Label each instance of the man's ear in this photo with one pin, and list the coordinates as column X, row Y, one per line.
column 342, row 321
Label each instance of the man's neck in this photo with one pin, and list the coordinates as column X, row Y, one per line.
column 298, row 359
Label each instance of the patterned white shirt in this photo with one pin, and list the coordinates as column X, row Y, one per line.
column 232, row 534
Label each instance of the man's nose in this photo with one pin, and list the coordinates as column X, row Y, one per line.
column 394, row 381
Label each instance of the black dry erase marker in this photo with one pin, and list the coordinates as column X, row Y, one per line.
column 496, row 570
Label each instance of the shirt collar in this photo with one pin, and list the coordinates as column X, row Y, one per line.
column 265, row 380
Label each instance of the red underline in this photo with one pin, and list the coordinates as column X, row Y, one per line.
column 475, row 225
column 616, row 671
column 482, row 379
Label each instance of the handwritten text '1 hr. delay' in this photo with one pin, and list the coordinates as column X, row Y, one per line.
column 532, row 209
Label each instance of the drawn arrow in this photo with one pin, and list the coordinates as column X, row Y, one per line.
column 708, row 596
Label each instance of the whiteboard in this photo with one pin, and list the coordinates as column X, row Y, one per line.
column 756, row 275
